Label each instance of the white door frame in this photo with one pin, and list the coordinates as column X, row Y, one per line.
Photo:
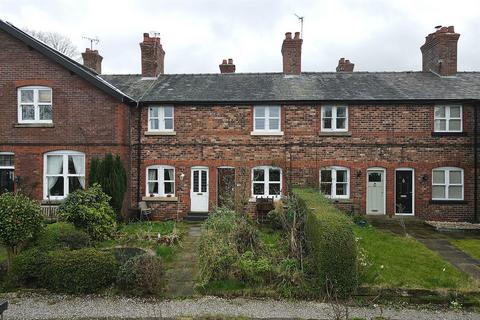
column 395, row 192
column 384, row 171
column 192, row 169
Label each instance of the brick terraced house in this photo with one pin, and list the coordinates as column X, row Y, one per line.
column 382, row 143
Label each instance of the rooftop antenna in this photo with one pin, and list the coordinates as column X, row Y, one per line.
column 92, row 41
column 301, row 24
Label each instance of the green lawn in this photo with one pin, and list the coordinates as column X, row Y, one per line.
column 404, row 262
column 470, row 246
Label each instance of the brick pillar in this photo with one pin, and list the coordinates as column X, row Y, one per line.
column 292, row 54
column 153, row 56
column 439, row 53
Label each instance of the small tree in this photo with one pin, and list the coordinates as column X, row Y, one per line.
column 20, row 219
column 111, row 175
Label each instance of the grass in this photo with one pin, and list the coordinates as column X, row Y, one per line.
column 402, row 262
column 469, row 246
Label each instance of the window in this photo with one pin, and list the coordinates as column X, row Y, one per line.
column 35, row 105
column 334, row 118
column 447, row 184
column 335, row 182
column 64, row 172
column 7, row 169
column 266, row 118
column 266, row 182
column 160, row 118
column 448, row 118
column 160, row 181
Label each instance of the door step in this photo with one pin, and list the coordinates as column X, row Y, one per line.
column 196, row 216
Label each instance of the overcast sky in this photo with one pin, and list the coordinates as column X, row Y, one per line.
column 377, row 35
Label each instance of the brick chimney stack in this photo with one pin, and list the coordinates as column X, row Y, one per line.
column 227, row 66
column 345, row 65
column 292, row 54
column 153, row 56
column 93, row 60
column 439, row 53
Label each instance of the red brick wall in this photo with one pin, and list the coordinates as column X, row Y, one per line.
column 85, row 119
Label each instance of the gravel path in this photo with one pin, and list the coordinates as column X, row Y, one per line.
column 34, row 306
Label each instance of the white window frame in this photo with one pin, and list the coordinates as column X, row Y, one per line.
column 334, row 118
column 266, row 182
column 333, row 191
column 267, row 118
column 447, row 184
column 161, row 119
column 447, row 118
column 64, row 174
column 161, row 181
column 35, row 104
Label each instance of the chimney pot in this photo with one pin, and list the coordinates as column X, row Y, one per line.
column 297, row 35
column 153, row 56
column 439, row 52
column 227, row 66
column 292, row 54
column 344, row 65
column 230, row 61
column 288, row 35
column 93, row 60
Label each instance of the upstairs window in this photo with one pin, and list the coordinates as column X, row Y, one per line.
column 266, row 119
column 266, row 182
column 335, row 182
column 334, row 118
column 160, row 181
column 447, row 184
column 64, row 172
column 448, row 118
column 35, row 105
column 160, row 118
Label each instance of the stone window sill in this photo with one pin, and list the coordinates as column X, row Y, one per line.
column 160, row 199
column 33, row 125
column 266, row 133
column 449, row 134
column 160, row 133
column 334, row 200
column 335, row 134
column 448, row 202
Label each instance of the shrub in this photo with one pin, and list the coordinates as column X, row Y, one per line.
column 28, row 268
column 331, row 245
column 89, row 210
column 21, row 219
column 79, row 271
column 254, row 270
column 62, row 235
column 142, row 275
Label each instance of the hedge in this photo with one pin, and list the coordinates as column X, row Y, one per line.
column 62, row 235
column 331, row 244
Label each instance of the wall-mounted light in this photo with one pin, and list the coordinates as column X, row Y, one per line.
column 359, row 173
column 182, row 176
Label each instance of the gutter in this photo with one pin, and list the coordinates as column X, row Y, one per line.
column 475, row 162
column 139, row 149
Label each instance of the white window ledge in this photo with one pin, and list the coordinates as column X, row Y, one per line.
column 33, row 125
column 254, row 199
column 160, row 199
column 266, row 133
column 335, row 133
column 160, row 133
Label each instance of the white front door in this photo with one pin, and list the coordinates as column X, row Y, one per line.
column 199, row 190
column 375, row 191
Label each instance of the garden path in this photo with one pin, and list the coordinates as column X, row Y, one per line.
column 181, row 272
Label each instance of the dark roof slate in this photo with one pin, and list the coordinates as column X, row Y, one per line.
column 309, row 86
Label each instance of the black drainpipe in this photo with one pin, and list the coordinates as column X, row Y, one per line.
column 475, row 162
column 139, row 148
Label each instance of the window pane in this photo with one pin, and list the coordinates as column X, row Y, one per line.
column 154, row 112
column 374, row 177
column 274, row 112
column 168, row 174
column 28, row 112
column 258, row 175
column 341, row 175
column 341, row 112
column 274, row 124
column 440, row 125
column 326, row 188
column 439, row 112
column 274, row 175
column 196, row 181
column 327, row 123
column 341, row 189
column 204, row 181
column 455, row 112
column 76, row 165
column 55, row 164
column 6, row 160
column 455, row 192
column 168, row 187
column 55, row 186
column 45, row 96
column 154, row 124
column 259, row 124
column 75, row 183
column 438, row 176
column 152, row 174
column 26, row 96
column 454, row 125
column 168, row 124
column 327, row 112
column 438, row 192
column 168, row 112
column 258, row 189
column 326, row 176
column 274, row 189
column 153, row 187
column 45, row 112
column 455, row 177
column 259, row 111
column 341, row 123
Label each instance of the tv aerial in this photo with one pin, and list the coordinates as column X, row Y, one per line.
column 92, row 41
column 301, row 24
